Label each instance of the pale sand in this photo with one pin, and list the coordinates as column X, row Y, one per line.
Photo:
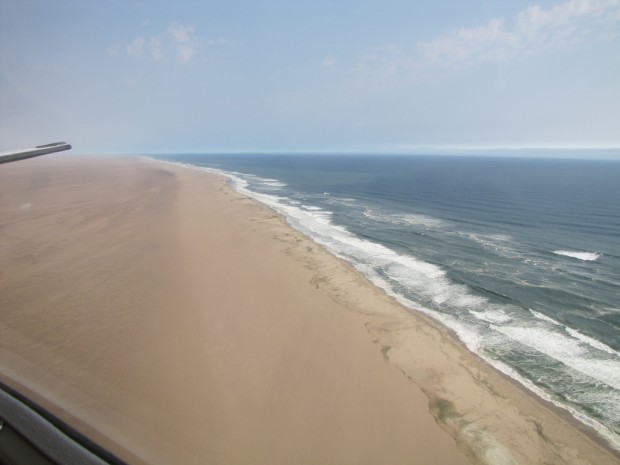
column 175, row 321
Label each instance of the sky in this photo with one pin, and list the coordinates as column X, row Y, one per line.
column 137, row 76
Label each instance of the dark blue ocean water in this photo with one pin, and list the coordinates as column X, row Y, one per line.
column 520, row 257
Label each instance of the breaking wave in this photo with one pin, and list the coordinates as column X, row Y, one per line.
column 584, row 256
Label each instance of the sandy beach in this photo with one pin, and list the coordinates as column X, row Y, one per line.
column 173, row 320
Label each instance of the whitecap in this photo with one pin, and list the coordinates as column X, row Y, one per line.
column 591, row 341
column 424, row 220
column 585, row 256
column 567, row 350
column 596, row 344
column 492, row 316
column 540, row 316
column 501, row 244
column 274, row 183
column 411, row 219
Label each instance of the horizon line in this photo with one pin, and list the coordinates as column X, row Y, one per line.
column 373, row 151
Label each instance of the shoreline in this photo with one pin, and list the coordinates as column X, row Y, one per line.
column 489, row 416
column 563, row 412
column 560, row 411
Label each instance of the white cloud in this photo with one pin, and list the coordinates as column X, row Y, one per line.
column 156, row 50
column 135, row 47
column 330, row 63
column 532, row 30
column 490, row 42
column 385, row 61
column 185, row 42
column 177, row 43
column 185, row 53
column 180, row 33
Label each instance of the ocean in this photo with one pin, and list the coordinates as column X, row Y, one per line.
column 520, row 257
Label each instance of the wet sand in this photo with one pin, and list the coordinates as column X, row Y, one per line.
column 173, row 320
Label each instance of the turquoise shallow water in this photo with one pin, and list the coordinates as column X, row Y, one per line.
column 520, row 257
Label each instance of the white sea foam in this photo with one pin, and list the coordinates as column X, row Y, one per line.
column 424, row 220
column 422, row 278
column 570, row 351
column 605, row 432
column 540, row 316
column 412, row 219
column 585, row 256
column 591, row 341
column 489, row 239
column 273, row 183
column 346, row 200
column 500, row 244
column 493, row 316
column 476, row 342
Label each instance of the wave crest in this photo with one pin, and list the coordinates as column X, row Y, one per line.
column 585, row 256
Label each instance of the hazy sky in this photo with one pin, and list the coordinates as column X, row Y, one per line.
column 316, row 75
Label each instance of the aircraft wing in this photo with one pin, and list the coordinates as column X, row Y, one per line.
column 21, row 154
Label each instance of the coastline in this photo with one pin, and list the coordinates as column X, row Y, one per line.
column 586, row 425
column 354, row 330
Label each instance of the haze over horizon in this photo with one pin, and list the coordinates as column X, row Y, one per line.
column 275, row 76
